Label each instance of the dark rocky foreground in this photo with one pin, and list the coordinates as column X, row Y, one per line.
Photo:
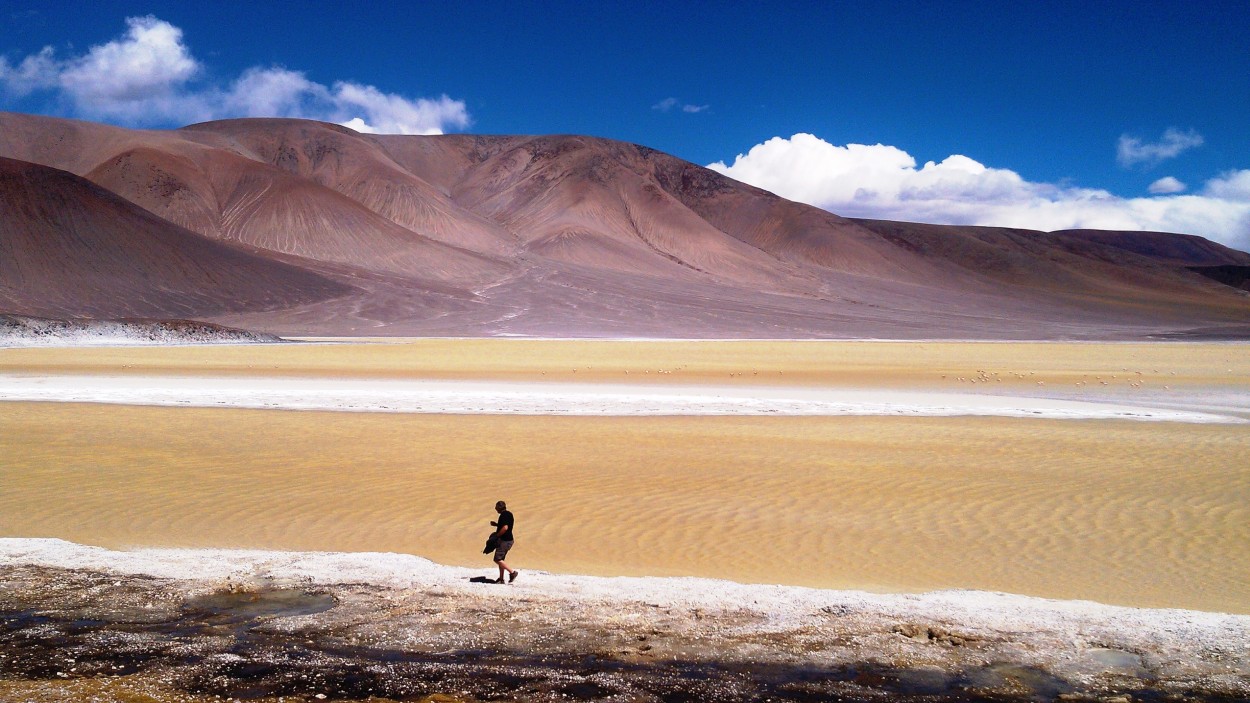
column 73, row 634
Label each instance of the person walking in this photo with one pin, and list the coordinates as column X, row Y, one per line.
column 506, row 532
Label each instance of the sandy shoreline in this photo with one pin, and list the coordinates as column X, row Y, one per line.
column 784, row 606
column 561, row 636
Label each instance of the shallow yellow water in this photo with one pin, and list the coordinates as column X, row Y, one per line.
column 1137, row 513
column 950, row 365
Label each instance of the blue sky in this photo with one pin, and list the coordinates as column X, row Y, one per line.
column 1060, row 113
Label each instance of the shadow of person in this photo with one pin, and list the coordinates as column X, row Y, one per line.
column 481, row 579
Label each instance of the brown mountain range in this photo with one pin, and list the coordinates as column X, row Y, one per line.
column 298, row 227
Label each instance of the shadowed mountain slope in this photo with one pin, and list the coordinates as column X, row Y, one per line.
column 578, row 236
column 1181, row 249
column 71, row 248
column 1084, row 264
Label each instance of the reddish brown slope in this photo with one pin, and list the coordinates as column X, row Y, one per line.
column 225, row 195
column 784, row 228
column 1098, row 272
column 1216, row 262
column 355, row 166
column 74, row 145
column 583, row 201
column 586, row 202
column 175, row 186
column 216, row 179
column 71, row 248
column 1178, row 249
column 523, row 179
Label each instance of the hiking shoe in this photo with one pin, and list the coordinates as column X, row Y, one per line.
column 512, row 576
column 498, row 580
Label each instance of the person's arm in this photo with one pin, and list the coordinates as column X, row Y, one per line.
column 502, row 529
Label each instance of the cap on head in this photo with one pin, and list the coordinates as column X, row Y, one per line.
column 501, row 505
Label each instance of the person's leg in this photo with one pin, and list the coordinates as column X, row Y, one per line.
column 501, row 552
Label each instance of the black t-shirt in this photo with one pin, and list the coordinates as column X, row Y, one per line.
column 505, row 518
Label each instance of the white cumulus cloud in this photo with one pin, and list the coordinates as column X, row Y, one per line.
column 273, row 92
column 884, row 182
column 148, row 77
column 1166, row 186
column 391, row 114
column 1131, row 150
column 149, row 60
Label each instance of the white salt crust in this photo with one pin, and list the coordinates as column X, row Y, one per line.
column 782, row 607
column 558, row 398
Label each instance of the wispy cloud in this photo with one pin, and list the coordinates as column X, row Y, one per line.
column 35, row 72
column 1131, row 151
column 149, row 77
column 668, row 104
column 881, row 181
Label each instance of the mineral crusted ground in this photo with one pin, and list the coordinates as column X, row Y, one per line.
column 370, row 627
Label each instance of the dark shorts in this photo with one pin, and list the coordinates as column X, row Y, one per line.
column 502, row 550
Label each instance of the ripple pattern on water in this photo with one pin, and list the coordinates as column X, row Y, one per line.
column 1122, row 512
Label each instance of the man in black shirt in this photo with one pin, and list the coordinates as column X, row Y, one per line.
column 507, row 537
